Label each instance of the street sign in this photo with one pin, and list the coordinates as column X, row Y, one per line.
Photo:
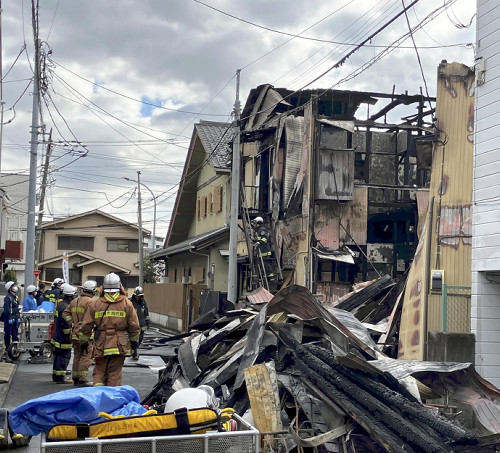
column 36, row 274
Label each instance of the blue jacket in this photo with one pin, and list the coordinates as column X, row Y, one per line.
column 29, row 303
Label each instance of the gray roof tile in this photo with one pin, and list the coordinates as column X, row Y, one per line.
column 215, row 138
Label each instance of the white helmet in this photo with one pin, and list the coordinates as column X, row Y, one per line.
column 8, row 285
column 139, row 291
column 192, row 398
column 57, row 281
column 89, row 285
column 258, row 220
column 68, row 289
column 31, row 289
column 112, row 283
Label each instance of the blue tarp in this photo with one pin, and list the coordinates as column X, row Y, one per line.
column 72, row 406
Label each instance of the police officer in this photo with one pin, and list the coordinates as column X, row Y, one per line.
column 116, row 331
column 73, row 314
column 264, row 247
column 61, row 340
column 141, row 308
column 10, row 316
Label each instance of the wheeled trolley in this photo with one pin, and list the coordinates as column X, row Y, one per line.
column 244, row 440
column 35, row 333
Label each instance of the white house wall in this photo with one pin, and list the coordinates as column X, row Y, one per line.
column 485, row 302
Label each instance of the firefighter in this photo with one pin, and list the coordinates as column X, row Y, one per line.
column 73, row 314
column 54, row 293
column 141, row 308
column 29, row 302
column 10, row 315
column 116, row 331
column 264, row 247
column 61, row 340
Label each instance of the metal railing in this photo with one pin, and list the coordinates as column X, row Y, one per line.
column 456, row 309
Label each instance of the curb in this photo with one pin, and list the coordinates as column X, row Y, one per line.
column 4, row 387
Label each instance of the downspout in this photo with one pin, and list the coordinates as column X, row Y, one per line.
column 427, row 274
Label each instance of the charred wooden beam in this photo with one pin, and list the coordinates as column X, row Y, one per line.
column 441, row 427
column 359, row 403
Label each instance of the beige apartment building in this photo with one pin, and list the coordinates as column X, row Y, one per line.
column 95, row 244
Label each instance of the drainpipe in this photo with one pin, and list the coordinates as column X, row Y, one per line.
column 427, row 273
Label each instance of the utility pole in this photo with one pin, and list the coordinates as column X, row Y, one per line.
column 1, row 90
column 232, row 280
column 41, row 205
column 141, row 240
column 30, row 237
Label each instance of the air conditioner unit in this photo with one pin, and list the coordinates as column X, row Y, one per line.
column 186, row 279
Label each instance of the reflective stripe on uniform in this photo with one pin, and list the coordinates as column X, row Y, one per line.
column 111, row 351
column 261, row 239
column 56, row 344
column 77, row 310
column 110, row 313
column 59, row 372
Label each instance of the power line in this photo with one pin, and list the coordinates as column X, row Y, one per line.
column 418, row 56
column 299, row 35
column 161, row 107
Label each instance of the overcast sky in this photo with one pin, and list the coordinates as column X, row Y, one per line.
column 180, row 58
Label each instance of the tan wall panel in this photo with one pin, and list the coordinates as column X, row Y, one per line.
column 165, row 298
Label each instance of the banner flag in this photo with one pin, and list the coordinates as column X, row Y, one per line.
column 65, row 267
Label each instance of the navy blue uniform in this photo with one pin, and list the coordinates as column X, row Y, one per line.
column 61, row 340
column 11, row 319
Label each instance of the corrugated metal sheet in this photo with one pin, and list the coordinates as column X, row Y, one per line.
column 451, row 185
column 294, row 135
column 422, row 206
column 451, row 189
column 334, row 165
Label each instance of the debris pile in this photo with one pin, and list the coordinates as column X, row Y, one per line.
column 312, row 377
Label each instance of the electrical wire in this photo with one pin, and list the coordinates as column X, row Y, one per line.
column 418, row 56
column 161, row 107
column 299, row 35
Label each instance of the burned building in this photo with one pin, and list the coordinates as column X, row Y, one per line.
column 338, row 192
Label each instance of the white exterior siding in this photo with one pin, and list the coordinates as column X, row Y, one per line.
column 485, row 302
column 16, row 186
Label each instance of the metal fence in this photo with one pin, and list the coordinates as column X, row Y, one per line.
column 456, row 309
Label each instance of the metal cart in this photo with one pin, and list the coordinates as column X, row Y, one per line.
column 244, row 440
column 35, row 333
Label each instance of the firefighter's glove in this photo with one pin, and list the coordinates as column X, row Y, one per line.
column 11, row 321
column 84, row 348
column 18, row 321
column 134, row 345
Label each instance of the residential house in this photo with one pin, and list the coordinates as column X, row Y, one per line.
column 486, row 204
column 16, row 185
column 196, row 246
column 338, row 191
column 96, row 244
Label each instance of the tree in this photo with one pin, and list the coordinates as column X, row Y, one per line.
column 151, row 270
column 10, row 275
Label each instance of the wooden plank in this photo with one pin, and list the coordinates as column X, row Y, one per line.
column 262, row 388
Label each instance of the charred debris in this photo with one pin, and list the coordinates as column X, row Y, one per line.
column 323, row 378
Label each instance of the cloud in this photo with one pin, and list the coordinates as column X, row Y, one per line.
column 183, row 55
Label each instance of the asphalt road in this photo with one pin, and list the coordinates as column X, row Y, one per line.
column 33, row 380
